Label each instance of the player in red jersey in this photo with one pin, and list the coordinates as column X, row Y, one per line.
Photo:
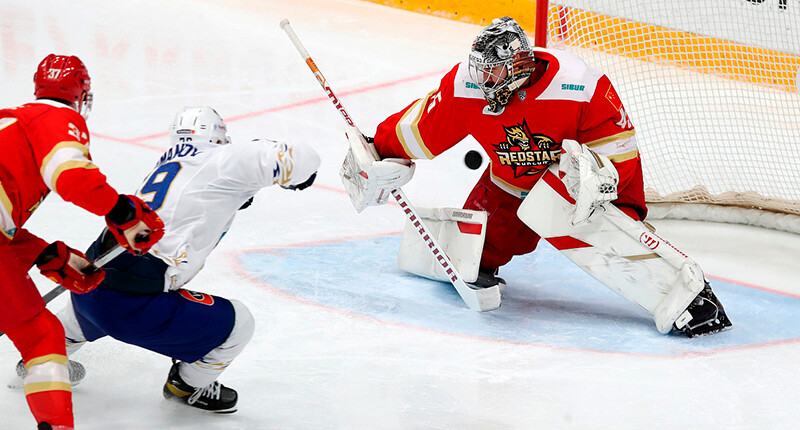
column 46, row 148
column 520, row 112
column 526, row 107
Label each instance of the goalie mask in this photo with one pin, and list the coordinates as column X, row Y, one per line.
column 64, row 78
column 199, row 125
column 500, row 62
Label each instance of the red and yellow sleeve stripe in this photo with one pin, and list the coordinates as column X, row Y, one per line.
column 64, row 156
column 407, row 130
column 618, row 147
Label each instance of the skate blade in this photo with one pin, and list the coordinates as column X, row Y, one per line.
column 175, row 403
column 709, row 331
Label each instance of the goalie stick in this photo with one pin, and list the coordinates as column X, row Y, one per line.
column 96, row 264
column 479, row 299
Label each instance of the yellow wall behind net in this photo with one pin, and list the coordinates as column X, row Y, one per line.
column 479, row 12
column 635, row 40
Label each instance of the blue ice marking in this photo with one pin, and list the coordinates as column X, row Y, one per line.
column 548, row 301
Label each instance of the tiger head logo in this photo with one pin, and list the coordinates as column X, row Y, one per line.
column 517, row 136
column 525, row 152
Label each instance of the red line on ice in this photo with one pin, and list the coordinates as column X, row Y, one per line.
column 137, row 141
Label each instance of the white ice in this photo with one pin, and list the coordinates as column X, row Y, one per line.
column 315, row 367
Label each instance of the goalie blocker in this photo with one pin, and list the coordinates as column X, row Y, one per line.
column 627, row 257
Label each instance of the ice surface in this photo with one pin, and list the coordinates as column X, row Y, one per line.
column 339, row 343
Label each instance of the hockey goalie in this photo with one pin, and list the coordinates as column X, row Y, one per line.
column 564, row 166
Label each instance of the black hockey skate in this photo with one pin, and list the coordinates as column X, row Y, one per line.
column 76, row 371
column 705, row 315
column 214, row 397
column 488, row 279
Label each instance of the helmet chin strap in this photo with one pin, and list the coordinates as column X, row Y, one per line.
column 498, row 101
column 500, row 98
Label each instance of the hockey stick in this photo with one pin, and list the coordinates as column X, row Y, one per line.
column 96, row 264
column 479, row 299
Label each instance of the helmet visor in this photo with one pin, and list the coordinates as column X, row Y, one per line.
column 489, row 76
column 512, row 73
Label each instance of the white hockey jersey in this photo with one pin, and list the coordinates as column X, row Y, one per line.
column 196, row 188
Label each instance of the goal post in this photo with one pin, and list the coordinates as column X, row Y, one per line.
column 712, row 89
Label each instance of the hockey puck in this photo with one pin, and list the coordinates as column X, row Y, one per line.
column 473, row 159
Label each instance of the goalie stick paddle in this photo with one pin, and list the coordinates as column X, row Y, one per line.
column 96, row 264
column 479, row 299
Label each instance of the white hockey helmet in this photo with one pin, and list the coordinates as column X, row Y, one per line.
column 199, row 125
column 501, row 61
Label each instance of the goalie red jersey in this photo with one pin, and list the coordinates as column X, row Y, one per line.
column 45, row 147
column 528, row 108
column 570, row 100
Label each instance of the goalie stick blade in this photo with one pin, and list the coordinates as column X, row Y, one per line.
column 477, row 298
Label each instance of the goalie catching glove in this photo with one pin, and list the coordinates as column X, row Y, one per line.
column 590, row 179
column 369, row 181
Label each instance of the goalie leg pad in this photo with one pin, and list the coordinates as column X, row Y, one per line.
column 460, row 233
column 621, row 253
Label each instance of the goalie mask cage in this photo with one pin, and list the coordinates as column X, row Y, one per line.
column 712, row 89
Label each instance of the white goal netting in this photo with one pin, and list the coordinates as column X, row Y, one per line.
column 712, row 89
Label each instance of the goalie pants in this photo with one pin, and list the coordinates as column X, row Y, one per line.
column 506, row 234
column 39, row 337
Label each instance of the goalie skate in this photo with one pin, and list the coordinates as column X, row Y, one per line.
column 488, row 279
column 705, row 315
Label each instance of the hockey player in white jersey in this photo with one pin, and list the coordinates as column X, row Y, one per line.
column 196, row 187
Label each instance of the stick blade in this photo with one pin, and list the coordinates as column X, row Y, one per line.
column 479, row 299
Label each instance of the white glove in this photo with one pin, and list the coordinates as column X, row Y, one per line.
column 369, row 181
column 590, row 179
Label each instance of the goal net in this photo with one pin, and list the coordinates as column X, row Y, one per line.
column 712, row 89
